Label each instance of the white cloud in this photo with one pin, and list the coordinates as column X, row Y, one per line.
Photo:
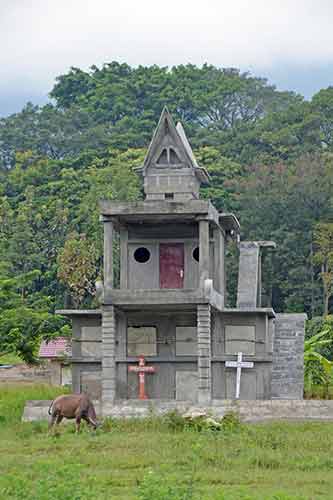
column 40, row 39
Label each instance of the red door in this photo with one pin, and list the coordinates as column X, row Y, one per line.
column 171, row 265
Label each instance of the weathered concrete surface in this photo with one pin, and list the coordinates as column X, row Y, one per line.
column 248, row 275
column 26, row 374
column 108, row 359
column 288, row 356
column 249, row 411
column 204, row 354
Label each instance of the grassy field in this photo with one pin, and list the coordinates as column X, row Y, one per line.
column 153, row 460
column 10, row 359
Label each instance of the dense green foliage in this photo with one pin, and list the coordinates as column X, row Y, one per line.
column 151, row 459
column 269, row 153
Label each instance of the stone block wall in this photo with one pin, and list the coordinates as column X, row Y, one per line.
column 288, row 369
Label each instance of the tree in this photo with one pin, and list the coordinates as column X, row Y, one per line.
column 317, row 368
column 24, row 321
column 322, row 105
column 323, row 256
column 77, row 267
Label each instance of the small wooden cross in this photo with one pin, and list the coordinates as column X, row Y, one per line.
column 141, row 369
column 239, row 364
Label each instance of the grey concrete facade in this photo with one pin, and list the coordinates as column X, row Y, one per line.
column 170, row 301
column 288, row 369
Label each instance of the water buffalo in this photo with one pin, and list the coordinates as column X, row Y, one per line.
column 77, row 406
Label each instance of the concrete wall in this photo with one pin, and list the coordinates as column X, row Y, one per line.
column 86, row 354
column 181, row 182
column 23, row 373
column 176, row 358
column 162, row 384
column 288, row 368
column 176, row 372
column 146, row 275
column 256, row 381
column 249, row 411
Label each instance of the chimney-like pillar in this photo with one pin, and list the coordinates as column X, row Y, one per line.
column 108, row 254
column 203, row 251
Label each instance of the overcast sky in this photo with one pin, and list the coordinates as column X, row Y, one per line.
column 288, row 41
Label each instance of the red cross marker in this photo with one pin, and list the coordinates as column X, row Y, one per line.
column 141, row 370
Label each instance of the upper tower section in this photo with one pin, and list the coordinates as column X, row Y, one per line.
column 170, row 170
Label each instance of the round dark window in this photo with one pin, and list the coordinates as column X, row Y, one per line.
column 196, row 254
column 142, row 255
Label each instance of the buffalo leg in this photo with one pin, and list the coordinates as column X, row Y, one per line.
column 52, row 422
column 55, row 419
column 59, row 419
column 78, row 422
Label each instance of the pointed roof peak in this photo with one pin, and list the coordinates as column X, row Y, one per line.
column 177, row 137
column 182, row 135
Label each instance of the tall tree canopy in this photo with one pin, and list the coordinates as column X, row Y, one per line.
column 269, row 153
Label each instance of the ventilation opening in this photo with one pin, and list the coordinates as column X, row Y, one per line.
column 169, row 196
column 195, row 254
column 174, row 160
column 163, row 158
column 168, row 157
column 142, row 255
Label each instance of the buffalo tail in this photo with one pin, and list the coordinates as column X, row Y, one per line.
column 50, row 407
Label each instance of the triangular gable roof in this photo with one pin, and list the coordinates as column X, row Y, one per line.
column 166, row 126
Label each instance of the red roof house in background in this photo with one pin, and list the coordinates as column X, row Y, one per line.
column 57, row 348
column 56, row 353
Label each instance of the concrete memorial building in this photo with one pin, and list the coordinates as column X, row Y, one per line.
column 169, row 305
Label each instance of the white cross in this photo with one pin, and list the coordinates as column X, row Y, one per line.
column 239, row 364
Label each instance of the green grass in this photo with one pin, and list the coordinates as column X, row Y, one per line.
column 10, row 359
column 146, row 459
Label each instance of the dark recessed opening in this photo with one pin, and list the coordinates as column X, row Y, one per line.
column 163, row 158
column 169, row 196
column 195, row 254
column 174, row 160
column 142, row 255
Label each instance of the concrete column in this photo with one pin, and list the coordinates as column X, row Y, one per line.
column 108, row 254
column 288, row 356
column 248, row 274
column 123, row 257
column 219, row 261
column 204, row 354
column 259, row 302
column 108, row 356
column 203, row 251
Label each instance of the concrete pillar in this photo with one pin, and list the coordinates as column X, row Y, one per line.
column 204, row 354
column 259, row 294
column 288, row 356
column 123, row 257
column 108, row 356
column 203, row 251
column 248, row 275
column 108, row 254
column 219, row 261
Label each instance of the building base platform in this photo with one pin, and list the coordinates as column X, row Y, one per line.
column 248, row 410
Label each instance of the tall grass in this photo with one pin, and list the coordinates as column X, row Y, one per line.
column 14, row 396
column 160, row 459
column 10, row 359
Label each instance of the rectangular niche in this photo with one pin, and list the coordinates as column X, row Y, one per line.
column 141, row 340
column 186, row 386
column 186, row 341
column 240, row 338
column 91, row 341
